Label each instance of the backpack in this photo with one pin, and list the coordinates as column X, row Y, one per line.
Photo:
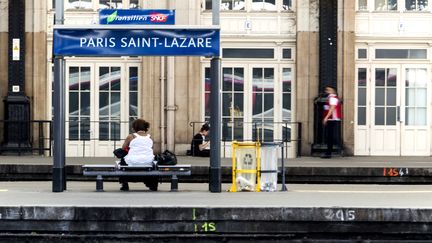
column 166, row 158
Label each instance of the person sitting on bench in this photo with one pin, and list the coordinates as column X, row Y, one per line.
column 140, row 153
column 200, row 147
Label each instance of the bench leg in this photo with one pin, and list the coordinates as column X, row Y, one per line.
column 99, row 183
column 174, row 183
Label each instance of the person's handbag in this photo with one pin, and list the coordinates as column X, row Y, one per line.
column 120, row 153
column 166, row 158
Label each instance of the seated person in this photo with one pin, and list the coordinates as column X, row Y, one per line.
column 200, row 147
column 140, row 153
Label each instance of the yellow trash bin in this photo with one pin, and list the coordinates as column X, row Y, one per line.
column 245, row 166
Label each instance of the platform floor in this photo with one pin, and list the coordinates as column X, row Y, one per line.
column 191, row 195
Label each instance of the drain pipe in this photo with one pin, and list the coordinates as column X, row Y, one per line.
column 162, row 103
column 170, row 98
column 170, row 108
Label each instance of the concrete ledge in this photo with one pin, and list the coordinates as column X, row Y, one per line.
column 208, row 220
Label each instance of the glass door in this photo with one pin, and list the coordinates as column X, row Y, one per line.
column 386, row 110
column 415, row 128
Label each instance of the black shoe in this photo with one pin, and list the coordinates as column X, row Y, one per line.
column 326, row 156
column 124, row 187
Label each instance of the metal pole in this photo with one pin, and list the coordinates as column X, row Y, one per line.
column 59, row 175
column 215, row 113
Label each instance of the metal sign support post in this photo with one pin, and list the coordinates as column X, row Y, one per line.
column 215, row 113
column 59, row 174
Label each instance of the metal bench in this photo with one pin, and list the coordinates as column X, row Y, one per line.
column 172, row 171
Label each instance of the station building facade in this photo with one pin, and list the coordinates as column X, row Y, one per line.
column 270, row 70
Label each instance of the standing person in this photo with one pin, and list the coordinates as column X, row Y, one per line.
column 332, row 119
column 200, row 147
column 140, row 152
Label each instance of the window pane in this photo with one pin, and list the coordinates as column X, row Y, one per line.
column 362, row 53
column 362, row 5
column 85, row 103
column 79, row 4
column 226, row 104
column 286, row 107
column 133, row 104
column 238, row 79
column 73, row 103
column 286, row 53
column 379, row 116
column 247, row 53
column 380, row 77
column 85, row 128
column 133, row 78
column 268, row 105
column 103, row 103
column 227, row 79
column 104, row 78
column 85, row 78
column 115, row 78
column 73, row 128
column 207, row 79
column 257, row 103
column 391, row 97
column 238, row 129
column 286, row 80
column 115, row 130
column 286, row 5
column 115, row 104
column 421, row 97
column 103, row 130
column 361, row 116
column 391, row 116
column 421, row 116
column 257, row 79
column 238, row 104
column 379, row 96
column 391, row 77
column 74, row 78
column 361, row 101
column 410, row 96
column 410, row 116
column 361, row 76
column 208, row 4
column 133, row 4
column 226, row 129
column 400, row 53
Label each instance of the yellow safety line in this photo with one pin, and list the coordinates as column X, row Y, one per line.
column 4, row 190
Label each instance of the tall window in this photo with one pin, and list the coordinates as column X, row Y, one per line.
column 133, row 93
column 109, row 103
column 79, row 103
column 385, row 5
column 263, row 103
column 416, row 5
column 361, row 96
column 264, row 5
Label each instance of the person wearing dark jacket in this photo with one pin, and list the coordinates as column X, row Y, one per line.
column 199, row 146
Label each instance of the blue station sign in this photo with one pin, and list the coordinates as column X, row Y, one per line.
column 137, row 16
column 136, row 41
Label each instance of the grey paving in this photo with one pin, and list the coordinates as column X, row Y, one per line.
column 197, row 195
